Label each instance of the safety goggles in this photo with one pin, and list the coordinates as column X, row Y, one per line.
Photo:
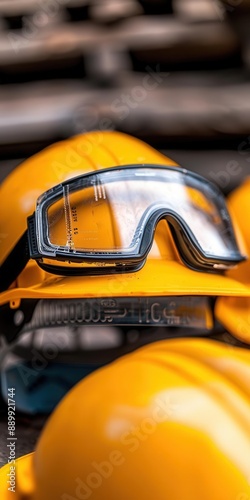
column 104, row 222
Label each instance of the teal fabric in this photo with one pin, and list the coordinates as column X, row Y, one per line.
column 39, row 391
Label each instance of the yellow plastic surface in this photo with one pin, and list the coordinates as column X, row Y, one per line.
column 234, row 313
column 169, row 421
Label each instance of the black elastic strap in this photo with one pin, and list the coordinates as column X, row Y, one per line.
column 15, row 263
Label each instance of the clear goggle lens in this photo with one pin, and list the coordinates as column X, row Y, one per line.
column 111, row 216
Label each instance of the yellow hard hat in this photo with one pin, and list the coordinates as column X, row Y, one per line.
column 168, row 421
column 232, row 312
column 163, row 274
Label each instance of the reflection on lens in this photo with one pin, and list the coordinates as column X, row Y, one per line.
column 110, row 212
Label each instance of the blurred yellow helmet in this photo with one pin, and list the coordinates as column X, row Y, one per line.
column 170, row 421
column 233, row 312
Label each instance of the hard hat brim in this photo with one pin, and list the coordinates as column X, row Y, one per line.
column 156, row 278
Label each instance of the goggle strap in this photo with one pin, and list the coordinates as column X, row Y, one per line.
column 14, row 263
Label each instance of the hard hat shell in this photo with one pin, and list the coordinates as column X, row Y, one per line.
column 168, row 421
column 163, row 273
column 233, row 312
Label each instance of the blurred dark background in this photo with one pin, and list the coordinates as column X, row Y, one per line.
column 174, row 73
